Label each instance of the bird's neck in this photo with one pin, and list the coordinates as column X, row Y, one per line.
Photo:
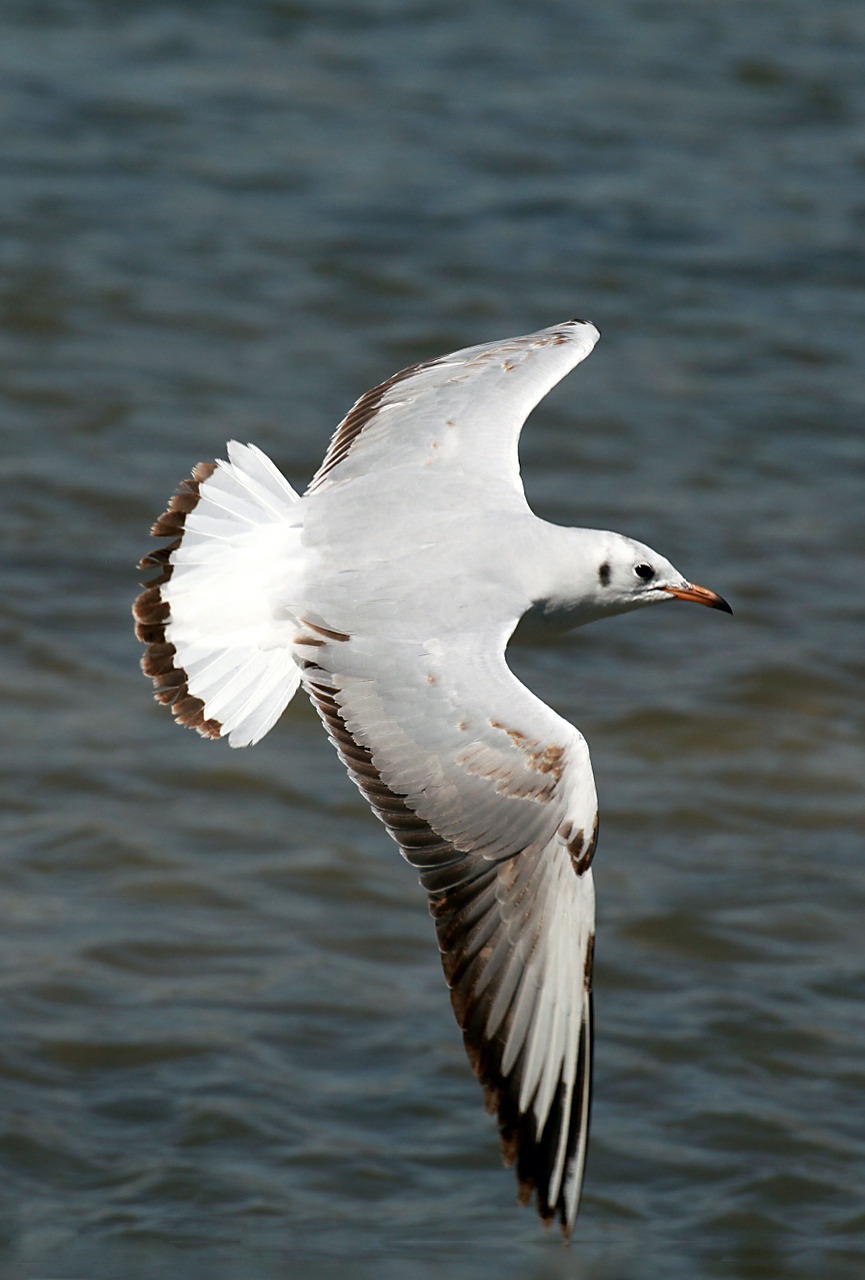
column 566, row 591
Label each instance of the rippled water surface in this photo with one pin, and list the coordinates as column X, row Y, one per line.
column 226, row 1049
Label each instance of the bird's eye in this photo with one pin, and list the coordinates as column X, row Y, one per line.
column 644, row 571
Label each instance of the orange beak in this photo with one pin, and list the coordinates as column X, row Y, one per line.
column 700, row 595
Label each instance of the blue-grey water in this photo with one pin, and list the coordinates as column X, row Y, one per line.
column 225, row 1046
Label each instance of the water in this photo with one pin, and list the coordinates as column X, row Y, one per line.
column 226, row 1047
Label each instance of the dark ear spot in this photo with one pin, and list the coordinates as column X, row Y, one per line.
column 604, row 574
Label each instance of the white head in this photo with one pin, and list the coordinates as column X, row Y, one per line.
column 599, row 574
column 631, row 575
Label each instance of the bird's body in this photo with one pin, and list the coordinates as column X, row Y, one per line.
column 390, row 591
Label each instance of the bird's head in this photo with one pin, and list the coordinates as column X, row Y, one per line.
column 630, row 575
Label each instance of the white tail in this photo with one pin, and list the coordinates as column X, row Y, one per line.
column 219, row 639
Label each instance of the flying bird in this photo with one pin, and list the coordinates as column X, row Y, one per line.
column 389, row 591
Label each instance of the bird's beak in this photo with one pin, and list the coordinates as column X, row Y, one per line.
column 700, row 595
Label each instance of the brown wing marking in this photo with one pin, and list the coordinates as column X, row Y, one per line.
column 151, row 611
column 469, row 897
column 359, row 417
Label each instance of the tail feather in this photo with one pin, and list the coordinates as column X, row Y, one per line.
column 219, row 639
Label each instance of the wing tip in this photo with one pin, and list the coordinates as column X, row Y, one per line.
column 152, row 612
column 533, row 1154
column 587, row 324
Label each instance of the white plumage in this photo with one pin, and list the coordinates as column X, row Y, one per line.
column 390, row 590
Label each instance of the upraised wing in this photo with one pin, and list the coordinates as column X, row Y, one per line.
column 490, row 795
column 460, row 408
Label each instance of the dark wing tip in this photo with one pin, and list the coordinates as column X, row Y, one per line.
column 533, row 1153
column 152, row 613
column 589, row 323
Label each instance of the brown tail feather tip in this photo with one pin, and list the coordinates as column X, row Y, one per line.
column 152, row 613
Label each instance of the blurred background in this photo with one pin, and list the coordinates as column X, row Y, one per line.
column 226, row 1046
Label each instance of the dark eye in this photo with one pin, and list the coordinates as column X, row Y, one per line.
column 644, row 571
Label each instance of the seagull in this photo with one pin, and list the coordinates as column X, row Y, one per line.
column 389, row 591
